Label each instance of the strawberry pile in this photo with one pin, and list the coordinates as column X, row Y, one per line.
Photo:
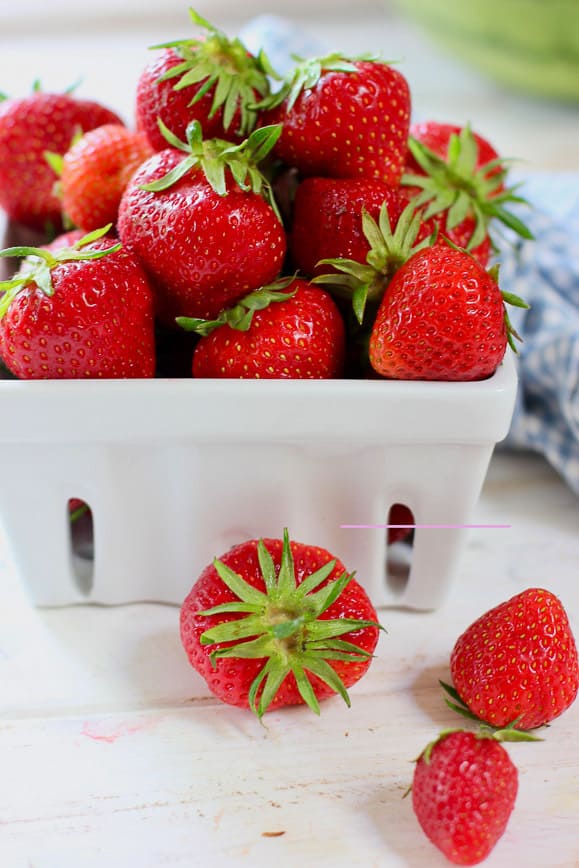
column 280, row 228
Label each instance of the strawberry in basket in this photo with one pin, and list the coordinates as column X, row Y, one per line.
column 77, row 310
column 275, row 623
column 29, row 127
column 210, row 78
column 200, row 217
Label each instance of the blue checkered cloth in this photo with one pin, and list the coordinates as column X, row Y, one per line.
column 545, row 272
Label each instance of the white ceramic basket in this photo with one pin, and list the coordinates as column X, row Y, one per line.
column 178, row 471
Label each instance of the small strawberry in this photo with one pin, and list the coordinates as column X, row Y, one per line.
column 275, row 623
column 461, row 179
column 442, row 318
column 463, row 793
column 196, row 216
column 287, row 330
column 29, row 127
column 211, row 79
column 342, row 118
column 94, row 172
column 77, row 312
column 517, row 664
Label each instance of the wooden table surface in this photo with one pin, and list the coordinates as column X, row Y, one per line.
column 112, row 752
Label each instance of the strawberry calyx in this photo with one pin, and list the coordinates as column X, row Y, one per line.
column 240, row 315
column 457, row 186
column 215, row 156
column 507, row 734
column 306, row 74
column 39, row 262
column 214, row 62
column 502, row 733
column 283, row 626
column 389, row 250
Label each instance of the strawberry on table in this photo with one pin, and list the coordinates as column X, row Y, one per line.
column 29, row 127
column 275, row 623
column 289, row 329
column 94, row 172
column 442, row 318
column 463, row 793
column 211, row 79
column 461, row 179
column 200, row 218
column 80, row 311
column 517, row 664
column 342, row 118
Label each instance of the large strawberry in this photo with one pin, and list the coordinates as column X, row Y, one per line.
column 463, row 793
column 275, row 623
column 94, row 172
column 517, row 664
column 77, row 312
column 290, row 330
column 343, row 118
column 442, row 318
column 197, row 217
column 29, row 127
column 211, row 79
column 462, row 180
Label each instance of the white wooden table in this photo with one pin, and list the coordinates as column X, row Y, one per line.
column 112, row 752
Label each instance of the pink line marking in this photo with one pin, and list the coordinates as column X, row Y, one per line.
column 431, row 526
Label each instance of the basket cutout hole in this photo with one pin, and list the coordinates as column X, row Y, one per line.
column 81, row 536
column 399, row 547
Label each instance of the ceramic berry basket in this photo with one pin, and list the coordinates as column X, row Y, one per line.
column 177, row 471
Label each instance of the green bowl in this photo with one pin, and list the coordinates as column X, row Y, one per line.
column 530, row 45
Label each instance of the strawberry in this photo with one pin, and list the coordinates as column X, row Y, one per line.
column 342, row 118
column 287, row 330
column 95, row 171
column 327, row 219
column 197, row 217
column 211, row 79
column 29, row 127
column 442, row 318
column 517, row 664
column 461, row 179
column 276, row 623
column 77, row 312
column 463, row 793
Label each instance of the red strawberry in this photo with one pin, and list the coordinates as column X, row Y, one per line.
column 343, row 119
column 442, row 318
column 83, row 311
column 95, row 171
column 288, row 330
column 274, row 623
column 211, row 79
column 327, row 219
column 461, row 180
column 196, row 218
column 29, row 127
column 463, row 793
column 401, row 518
column 517, row 664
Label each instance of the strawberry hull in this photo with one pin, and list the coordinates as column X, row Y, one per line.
column 178, row 471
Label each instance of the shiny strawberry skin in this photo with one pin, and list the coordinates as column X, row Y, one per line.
column 230, row 679
column 349, row 124
column 327, row 219
column 95, row 172
column 464, row 796
column 159, row 99
column 442, row 318
column 29, row 127
column 518, row 662
column 97, row 324
column 202, row 250
column 301, row 338
column 436, row 136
